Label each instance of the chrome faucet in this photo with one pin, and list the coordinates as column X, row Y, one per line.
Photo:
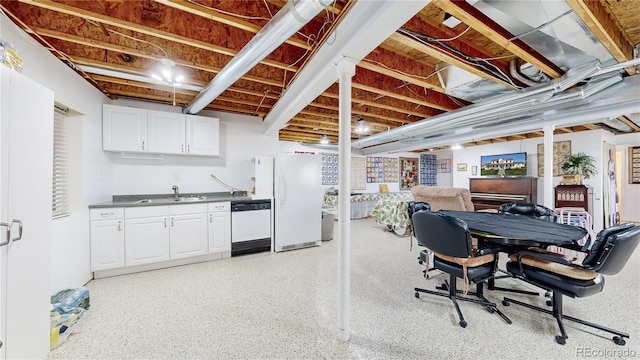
column 176, row 191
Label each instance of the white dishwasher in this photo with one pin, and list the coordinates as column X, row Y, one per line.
column 250, row 226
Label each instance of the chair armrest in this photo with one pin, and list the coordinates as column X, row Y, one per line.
column 552, row 257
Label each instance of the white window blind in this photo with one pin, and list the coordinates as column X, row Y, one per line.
column 60, row 206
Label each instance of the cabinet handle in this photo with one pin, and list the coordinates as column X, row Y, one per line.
column 119, row 226
column 143, row 145
column 165, row 222
column 189, row 149
column 171, row 222
column 106, row 214
column 182, row 148
column 210, row 218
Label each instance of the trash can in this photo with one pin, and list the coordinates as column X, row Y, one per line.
column 328, row 218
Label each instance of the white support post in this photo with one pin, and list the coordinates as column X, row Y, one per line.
column 548, row 166
column 346, row 69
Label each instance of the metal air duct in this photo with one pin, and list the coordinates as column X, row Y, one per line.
column 281, row 27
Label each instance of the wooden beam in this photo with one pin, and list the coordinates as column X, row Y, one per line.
column 445, row 57
column 598, row 20
column 487, row 27
column 73, row 11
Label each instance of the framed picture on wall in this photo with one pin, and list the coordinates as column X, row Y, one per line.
column 461, row 167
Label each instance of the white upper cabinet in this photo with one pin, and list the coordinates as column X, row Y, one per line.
column 165, row 132
column 203, row 134
column 139, row 130
column 124, row 128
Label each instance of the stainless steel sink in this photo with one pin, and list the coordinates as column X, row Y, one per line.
column 143, row 201
column 189, row 199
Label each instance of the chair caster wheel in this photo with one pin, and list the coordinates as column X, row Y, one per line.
column 491, row 310
column 618, row 340
column 561, row 340
column 549, row 303
column 463, row 323
column 417, row 295
column 505, row 303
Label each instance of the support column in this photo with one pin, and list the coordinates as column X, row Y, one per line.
column 346, row 69
column 548, row 166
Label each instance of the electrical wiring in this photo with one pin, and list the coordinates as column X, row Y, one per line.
column 131, row 38
column 415, row 76
column 478, row 62
column 229, row 13
column 455, row 37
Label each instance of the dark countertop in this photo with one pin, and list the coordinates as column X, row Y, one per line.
column 168, row 199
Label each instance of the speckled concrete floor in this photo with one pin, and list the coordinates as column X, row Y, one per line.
column 284, row 306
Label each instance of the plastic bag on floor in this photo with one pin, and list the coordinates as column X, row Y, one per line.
column 67, row 306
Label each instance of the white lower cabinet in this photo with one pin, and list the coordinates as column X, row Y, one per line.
column 220, row 227
column 188, row 230
column 132, row 236
column 146, row 235
column 107, row 238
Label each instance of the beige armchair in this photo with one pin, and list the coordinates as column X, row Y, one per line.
column 440, row 198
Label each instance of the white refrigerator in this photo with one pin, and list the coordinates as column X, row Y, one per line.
column 297, row 204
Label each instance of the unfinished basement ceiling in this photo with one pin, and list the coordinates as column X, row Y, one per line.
column 423, row 70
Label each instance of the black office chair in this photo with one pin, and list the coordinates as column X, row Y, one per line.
column 530, row 210
column 450, row 241
column 414, row 207
column 557, row 274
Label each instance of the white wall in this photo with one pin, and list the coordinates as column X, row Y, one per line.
column 630, row 193
column 70, row 255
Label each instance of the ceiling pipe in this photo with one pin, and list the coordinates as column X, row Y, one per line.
column 293, row 16
column 522, row 100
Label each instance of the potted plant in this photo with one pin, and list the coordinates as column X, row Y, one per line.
column 579, row 164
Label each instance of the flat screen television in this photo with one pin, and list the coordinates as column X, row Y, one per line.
column 514, row 164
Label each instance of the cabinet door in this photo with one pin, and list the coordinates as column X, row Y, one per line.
column 166, row 132
column 203, row 135
column 147, row 240
column 124, row 128
column 219, row 232
column 188, row 235
column 107, row 244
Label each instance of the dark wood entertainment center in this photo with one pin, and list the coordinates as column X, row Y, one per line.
column 490, row 193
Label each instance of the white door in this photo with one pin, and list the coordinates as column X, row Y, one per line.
column 124, row 128
column 298, row 199
column 188, row 235
column 147, row 240
column 25, row 180
column 165, row 132
column 203, row 135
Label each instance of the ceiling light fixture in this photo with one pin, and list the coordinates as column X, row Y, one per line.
column 361, row 128
column 168, row 75
column 324, row 140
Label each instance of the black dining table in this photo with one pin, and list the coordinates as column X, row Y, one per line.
column 518, row 230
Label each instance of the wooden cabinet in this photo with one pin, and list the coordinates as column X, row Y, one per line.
column 107, row 238
column 146, row 235
column 124, row 128
column 220, row 228
column 188, row 230
column 577, row 196
column 139, row 130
